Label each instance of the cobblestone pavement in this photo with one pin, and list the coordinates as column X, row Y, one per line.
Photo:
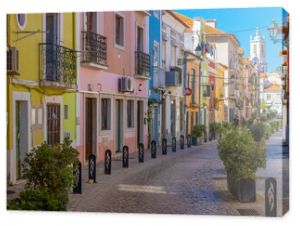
column 179, row 183
column 190, row 181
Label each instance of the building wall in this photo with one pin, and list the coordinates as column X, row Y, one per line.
column 26, row 87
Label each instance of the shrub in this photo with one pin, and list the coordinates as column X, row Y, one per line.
column 198, row 131
column 241, row 155
column 36, row 199
column 49, row 176
column 258, row 131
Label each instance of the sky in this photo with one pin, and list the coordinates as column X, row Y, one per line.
column 243, row 22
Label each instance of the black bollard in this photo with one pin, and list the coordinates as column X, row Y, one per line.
column 125, row 156
column 174, row 144
column 164, row 146
column 107, row 162
column 153, row 149
column 141, row 152
column 181, row 142
column 189, row 141
column 92, row 168
column 77, row 176
column 271, row 197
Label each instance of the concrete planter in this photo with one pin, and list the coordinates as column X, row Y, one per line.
column 197, row 141
column 243, row 190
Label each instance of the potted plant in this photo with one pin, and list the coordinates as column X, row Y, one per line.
column 218, row 130
column 211, row 131
column 258, row 131
column 197, row 134
column 242, row 156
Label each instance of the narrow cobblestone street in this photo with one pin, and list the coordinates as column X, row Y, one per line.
column 180, row 182
column 190, row 181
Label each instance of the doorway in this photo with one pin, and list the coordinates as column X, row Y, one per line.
column 155, row 121
column 140, row 120
column 119, row 125
column 90, row 127
column 21, row 135
column 173, row 118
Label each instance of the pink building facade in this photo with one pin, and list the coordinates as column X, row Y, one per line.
column 112, row 83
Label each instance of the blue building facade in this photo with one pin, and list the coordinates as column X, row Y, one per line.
column 156, row 83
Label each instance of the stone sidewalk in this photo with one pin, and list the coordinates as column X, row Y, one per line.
column 189, row 181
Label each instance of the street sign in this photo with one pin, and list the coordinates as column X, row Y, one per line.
column 188, row 92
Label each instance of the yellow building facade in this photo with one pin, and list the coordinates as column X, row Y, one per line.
column 41, row 84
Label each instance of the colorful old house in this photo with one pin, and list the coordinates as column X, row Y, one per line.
column 195, row 73
column 219, row 96
column 41, row 84
column 227, row 47
column 173, row 120
column 113, row 82
column 157, row 74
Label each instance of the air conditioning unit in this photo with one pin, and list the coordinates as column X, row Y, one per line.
column 13, row 61
column 125, row 84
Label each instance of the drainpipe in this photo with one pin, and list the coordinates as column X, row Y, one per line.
column 184, row 86
column 199, row 97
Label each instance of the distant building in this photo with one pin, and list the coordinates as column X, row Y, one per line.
column 258, row 51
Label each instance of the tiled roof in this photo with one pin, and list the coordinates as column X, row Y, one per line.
column 274, row 88
column 208, row 30
column 175, row 15
column 263, row 75
column 212, row 31
column 187, row 20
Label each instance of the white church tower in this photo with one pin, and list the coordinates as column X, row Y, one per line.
column 258, row 51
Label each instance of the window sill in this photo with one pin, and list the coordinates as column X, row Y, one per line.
column 119, row 47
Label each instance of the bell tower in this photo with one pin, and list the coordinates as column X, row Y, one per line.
column 258, row 51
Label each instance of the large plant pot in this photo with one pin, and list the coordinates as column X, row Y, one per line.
column 243, row 190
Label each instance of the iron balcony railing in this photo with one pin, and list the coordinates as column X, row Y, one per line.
column 94, row 48
column 57, row 64
column 159, row 78
column 142, row 64
column 174, row 77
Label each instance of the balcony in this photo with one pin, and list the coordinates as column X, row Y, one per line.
column 57, row 66
column 94, row 50
column 159, row 78
column 142, row 65
column 173, row 77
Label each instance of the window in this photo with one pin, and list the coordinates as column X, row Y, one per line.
column 105, row 113
column 91, row 22
column 119, row 30
column 21, row 19
column 164, row 47
column 130, row 113
column 66, row 112
column 155, row 54
column 173, row 55
column 193, row 84
column 268, row 96
column 53, row 124
column 140, row 39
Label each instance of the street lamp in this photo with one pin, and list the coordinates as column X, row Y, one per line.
column 273, row 30
column 198, row 49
